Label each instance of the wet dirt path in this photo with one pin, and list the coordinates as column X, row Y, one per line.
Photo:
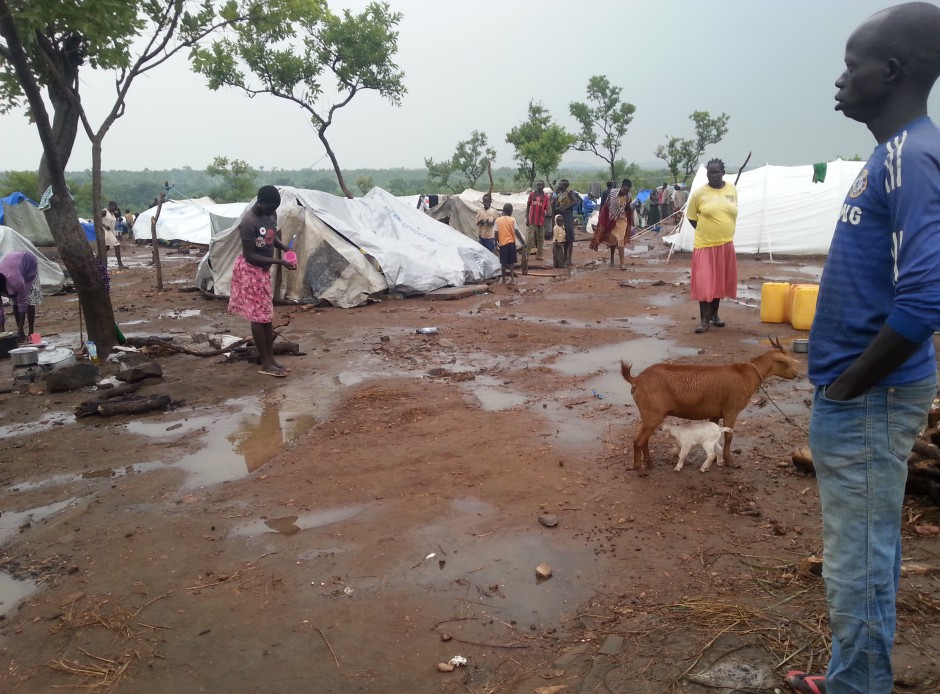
column 376, row 513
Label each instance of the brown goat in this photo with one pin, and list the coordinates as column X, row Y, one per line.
column 689, row 391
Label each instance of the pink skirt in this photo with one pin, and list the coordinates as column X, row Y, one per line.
column 714, row 273
column 251, row 295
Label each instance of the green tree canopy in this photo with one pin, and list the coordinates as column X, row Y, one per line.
column 684, row 154
column 299, row 51
column 540, row 144
column 464, row 168
column 239, row 180
column 604, row 120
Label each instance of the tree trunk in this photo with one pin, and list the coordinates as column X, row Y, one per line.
column 96, row 204
column 339, row 172
column 64, row 131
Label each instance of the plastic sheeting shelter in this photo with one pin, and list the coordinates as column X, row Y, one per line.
column 188, row 220
column 781, row 210
column 51, row 276
column 19, row 212
column 352, row 250
column 462, row 210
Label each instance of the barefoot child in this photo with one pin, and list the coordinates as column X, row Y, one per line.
column 558, row 242
column 251, row 295
column 506, row 232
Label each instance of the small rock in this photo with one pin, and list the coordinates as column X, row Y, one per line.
column 150, row 369
column 446, row 637
column 445, row 667
column 553, row 689
column 927, row 530
column 36, row 389
column 548, row 520
column 446, row 344
column 384, row 338
column 543, row 570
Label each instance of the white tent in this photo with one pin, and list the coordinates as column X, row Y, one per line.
column 351, row 250
column 51, row 276
column 186, row 220
column 781, row 210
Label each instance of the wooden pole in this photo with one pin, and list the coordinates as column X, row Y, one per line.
column 155, row 247
column 741, row 170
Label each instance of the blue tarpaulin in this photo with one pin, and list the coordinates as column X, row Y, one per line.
column 89, row 228
column 13, row 199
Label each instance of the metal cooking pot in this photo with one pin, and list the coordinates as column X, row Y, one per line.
column 801, row 345
column 24, row 356
column 56, row 358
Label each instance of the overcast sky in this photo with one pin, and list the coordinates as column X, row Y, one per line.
column 469, row 66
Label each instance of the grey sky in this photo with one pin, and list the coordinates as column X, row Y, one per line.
column 769, row 65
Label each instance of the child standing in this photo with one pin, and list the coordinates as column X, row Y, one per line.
column 506, row 232
column 558, row 242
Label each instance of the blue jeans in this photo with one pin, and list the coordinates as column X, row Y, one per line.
column 860, row 449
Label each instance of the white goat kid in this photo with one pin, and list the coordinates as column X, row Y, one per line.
column 706, row 434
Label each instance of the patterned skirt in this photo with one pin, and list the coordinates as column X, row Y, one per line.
column 35, row 292
column 251, row 295
column 714, row 273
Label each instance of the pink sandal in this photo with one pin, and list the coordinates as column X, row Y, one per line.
column 802, row 683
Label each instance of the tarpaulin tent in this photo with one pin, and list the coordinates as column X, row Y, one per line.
column 51, row 276
column 186, row 220
column 781, row 210
column 19, row 212
column 352, row 250
column 462, row 210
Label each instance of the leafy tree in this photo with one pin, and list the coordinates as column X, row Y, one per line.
column 20, row 181
column 604, row 120
column 365, row 184
column 466, row 165
column 539, row 144
column 674, row 153
column 293, row 52
column 240, row 180
column 684, row 154
column 45, row 44
column 324, row 183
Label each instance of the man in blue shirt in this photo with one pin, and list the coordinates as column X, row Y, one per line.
column 871, row 346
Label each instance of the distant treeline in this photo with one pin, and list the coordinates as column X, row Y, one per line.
column 134, row 190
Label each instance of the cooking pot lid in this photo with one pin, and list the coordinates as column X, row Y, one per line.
column 53, row 355
column 24, row 350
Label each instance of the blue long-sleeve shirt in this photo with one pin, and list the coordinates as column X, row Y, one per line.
column 884, row 262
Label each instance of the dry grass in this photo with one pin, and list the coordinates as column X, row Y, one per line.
column 95, row 673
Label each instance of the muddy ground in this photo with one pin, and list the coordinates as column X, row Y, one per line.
column 376, row 513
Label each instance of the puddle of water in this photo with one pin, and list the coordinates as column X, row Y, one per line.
column 471, row 565
column 162, row 428
column 291, row 525
column 233, row 445
column 12, row 521
column 603, row 365
column 43, row 423
column 493, row 399
column 13, row 591
column 181, row 313
column 106, row 473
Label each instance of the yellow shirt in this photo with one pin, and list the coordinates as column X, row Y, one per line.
column 558, row 234
column 716, row 212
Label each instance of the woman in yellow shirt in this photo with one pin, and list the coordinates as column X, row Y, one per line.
column 713, row 213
